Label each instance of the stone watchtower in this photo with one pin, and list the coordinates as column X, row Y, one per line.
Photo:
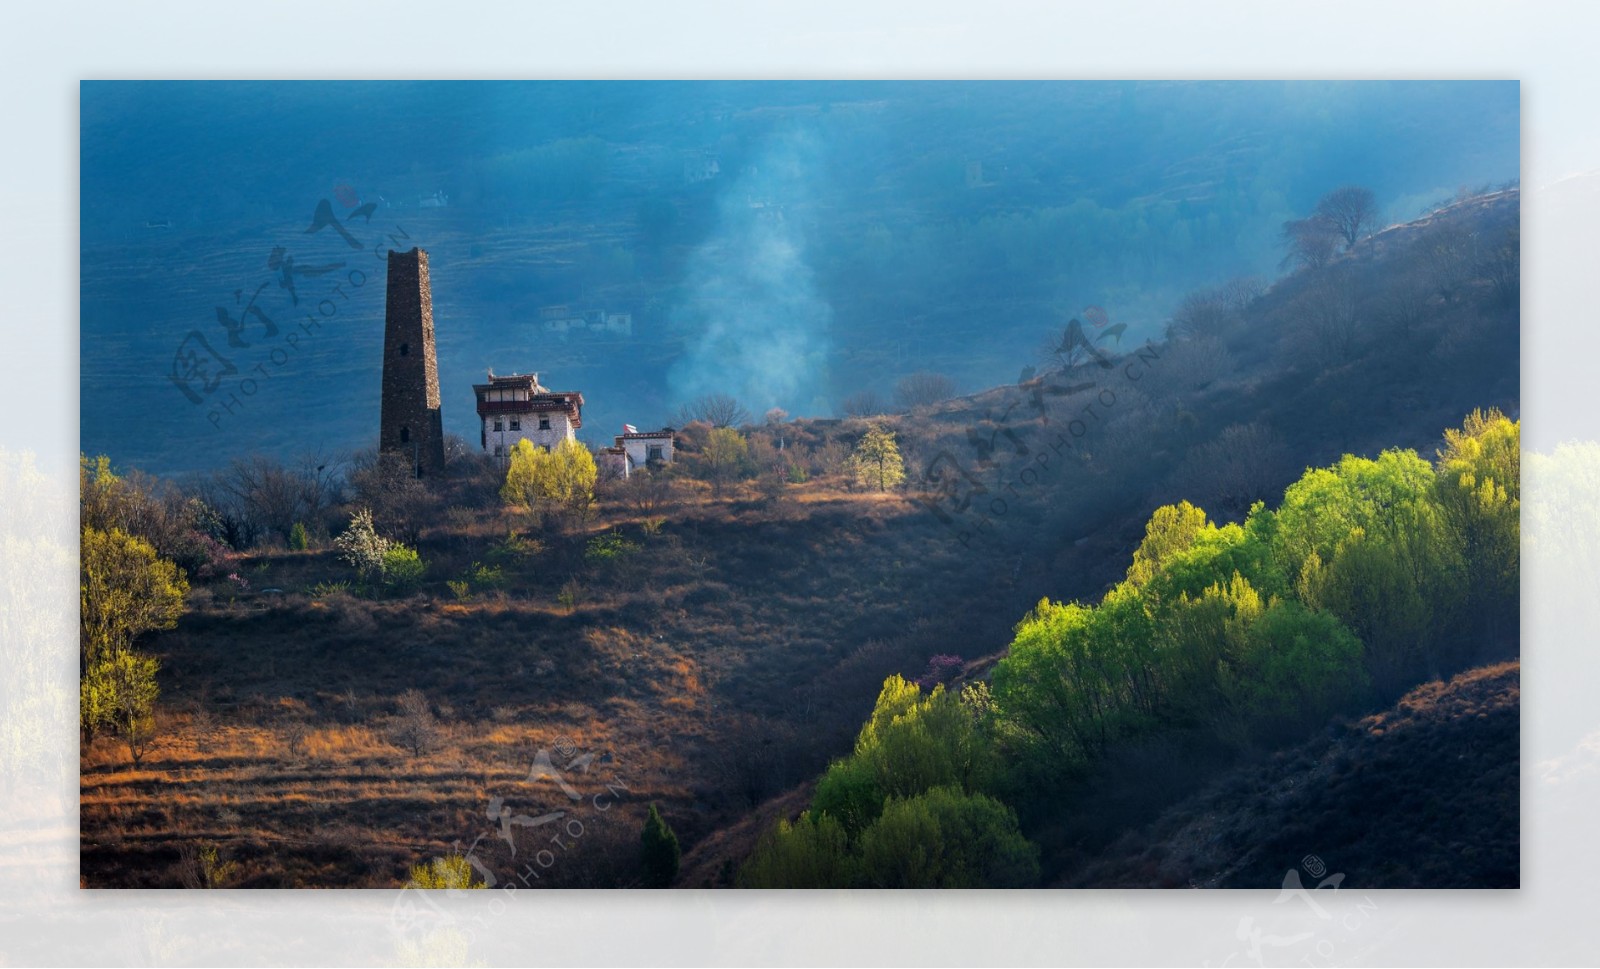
column 411, row 423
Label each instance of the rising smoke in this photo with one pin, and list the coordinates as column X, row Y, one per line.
column 756, row 325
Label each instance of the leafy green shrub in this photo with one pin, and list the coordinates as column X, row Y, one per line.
column 941, row 838
column 608, row 548
column 297, row 538
column 812, row 852
column 402, row 569
column 946, row 839
column 459, row 588
column 515, row 549
column 487, row 576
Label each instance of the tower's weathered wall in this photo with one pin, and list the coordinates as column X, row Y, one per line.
column 410, row 420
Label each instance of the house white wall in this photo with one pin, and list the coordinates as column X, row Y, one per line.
column 638, row 449
column 499, row 442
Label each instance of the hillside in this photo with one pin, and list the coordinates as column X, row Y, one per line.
column 736, row 643
column 1423, row 795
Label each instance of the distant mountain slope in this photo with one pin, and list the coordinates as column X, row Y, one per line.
column 1434, row 778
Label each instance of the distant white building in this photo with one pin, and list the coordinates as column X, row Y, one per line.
column 516, row 407
column 635, row 449
column 562, row 322
column 700, row 167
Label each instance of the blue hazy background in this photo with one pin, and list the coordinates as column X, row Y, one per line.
column 849, row 233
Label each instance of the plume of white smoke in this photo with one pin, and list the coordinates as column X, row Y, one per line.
column 756, row 326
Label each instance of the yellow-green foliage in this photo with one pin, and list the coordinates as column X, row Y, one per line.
column 403, row 568
column 913, row 742
column 1172, row 529
column 876, row 461
column 125, row 590
column 940, row 838
column 724, row 456
column 945, row 838
column 563, row 477
column 811, row 852
column 449, row 872
column 1255, row 632
column 118, row 691
column 1479, row 489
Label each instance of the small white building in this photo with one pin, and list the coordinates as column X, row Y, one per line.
column 635, row 449
column 516, row 407
column 700, row 166
column 562, row 322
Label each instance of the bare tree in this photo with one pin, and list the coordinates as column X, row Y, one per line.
column 1241, row 292
column 1239, row 466
column 1311, row 242
column 1446, row 251
column 923, row 390
column 401, row 503
column 274, row 496
column 1204, row 313
column 718, row 410
column 1195, row 363
column 414, row 727
column 1330, row 315
column 648, row 490
column 862, row 403
column 1501, row 265
column 1352, row 210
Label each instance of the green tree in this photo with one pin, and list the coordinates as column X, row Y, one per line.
column 1294, row 669
column 1171, row 529
column 1394, row 596
column 876, row 461
column 1478, row 488
column 297, row 538
column 944, row 838
column 1057, row 689
column 811, row 852
column 1319, row 510
column 520, row 486
column 658, row 851
column 562, row 478
column 724, row 457
column 849, row 795
column 125, row 590
column 119, row 691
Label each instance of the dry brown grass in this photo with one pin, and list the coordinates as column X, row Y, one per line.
column 732, row 625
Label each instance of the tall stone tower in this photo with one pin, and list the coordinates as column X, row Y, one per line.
column 411, row 424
